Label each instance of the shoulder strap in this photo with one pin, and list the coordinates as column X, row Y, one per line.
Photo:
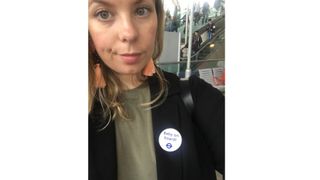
column 186, row 95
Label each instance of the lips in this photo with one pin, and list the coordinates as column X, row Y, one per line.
column 130, row 58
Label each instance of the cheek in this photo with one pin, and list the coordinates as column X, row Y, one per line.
column 98, row 35
column 150, row 35
column 154, row 28
column 99, row 41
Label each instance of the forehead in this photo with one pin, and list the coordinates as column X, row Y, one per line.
column 111, row 2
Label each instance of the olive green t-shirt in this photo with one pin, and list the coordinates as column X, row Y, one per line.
column 135, row 146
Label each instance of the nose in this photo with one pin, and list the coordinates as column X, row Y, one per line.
column 128, row 31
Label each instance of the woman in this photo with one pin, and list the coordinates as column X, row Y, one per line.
column 139, row 127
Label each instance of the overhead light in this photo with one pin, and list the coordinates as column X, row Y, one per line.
column 211, row 45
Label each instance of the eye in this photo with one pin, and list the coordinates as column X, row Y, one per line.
column 103, row 15
column 142, row 11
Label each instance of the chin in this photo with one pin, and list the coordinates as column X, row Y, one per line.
column 130, row 71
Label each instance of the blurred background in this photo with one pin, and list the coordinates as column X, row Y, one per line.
column 200, row 23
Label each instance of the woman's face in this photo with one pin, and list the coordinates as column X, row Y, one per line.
column 123, row 33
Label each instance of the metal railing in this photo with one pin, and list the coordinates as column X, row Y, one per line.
column 179, row 67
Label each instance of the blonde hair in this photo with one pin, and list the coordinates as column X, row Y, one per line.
column 109, row 97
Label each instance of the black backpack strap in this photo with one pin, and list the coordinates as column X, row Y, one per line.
column 186, row 95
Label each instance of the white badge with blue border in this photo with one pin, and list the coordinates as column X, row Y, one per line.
column 170, row 140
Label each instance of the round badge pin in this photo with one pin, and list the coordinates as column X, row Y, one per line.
column 170, row 140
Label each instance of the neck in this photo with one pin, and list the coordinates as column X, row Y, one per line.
column 130, row 81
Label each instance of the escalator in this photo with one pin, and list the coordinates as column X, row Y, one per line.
column 205, row 50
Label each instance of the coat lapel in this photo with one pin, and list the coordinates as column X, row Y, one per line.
column 169, row 164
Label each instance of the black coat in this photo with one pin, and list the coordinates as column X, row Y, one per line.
column 202, row 148
column 211, row 28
